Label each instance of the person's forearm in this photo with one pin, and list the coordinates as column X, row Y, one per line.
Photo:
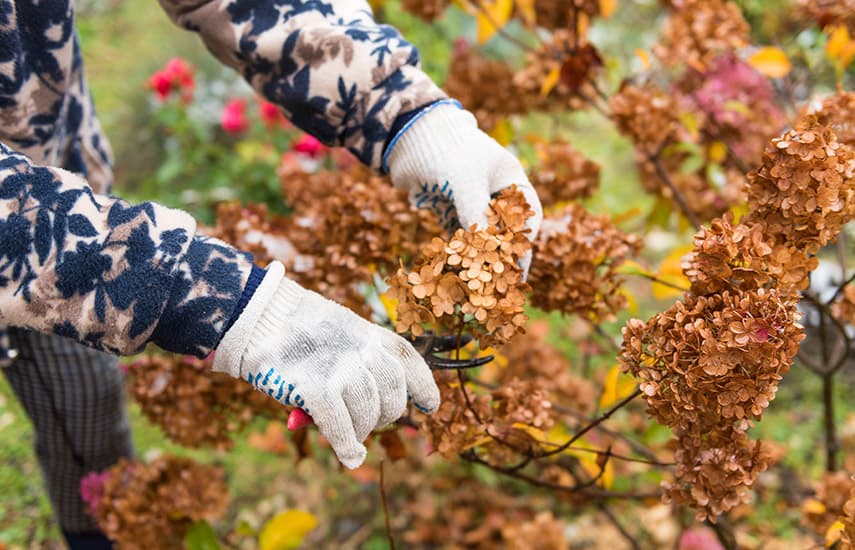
column 333, row 70
column 105, row 273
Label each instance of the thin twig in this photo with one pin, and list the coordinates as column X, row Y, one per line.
column 386, row 510
column 678, row 196
column 621, row 529
column 604, row 335
column 594, row 423
column 655, row 279
column 724, row 532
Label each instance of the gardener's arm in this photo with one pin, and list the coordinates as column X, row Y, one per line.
column 349, row 81
column 115, row 276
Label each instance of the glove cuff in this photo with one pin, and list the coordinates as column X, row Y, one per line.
column 228, row 355
column 427, row 138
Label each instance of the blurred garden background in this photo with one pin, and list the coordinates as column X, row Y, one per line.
column 221, row 143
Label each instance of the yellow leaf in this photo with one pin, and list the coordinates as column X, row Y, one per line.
column 631, row 302
column 832, row 536
column 607, row 7
column 771, row 61
column 493, row 16
column 466, row 6
column 671, row 272
column 550, row 81
column 840, row 47
column 503, row 132
column 813, row 506
column 286, row 530
column 391, row 306
column 644, row 57
column 617, row 386
column 526, row 9
column 717, row 152
column 535, row 433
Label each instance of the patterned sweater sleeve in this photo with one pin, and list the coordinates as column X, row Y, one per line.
column 333, row 70
column 106, row 273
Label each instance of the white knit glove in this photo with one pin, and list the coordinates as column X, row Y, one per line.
column 350, row 375
column 449, row 165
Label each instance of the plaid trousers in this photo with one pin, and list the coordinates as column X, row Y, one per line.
column 75, row 398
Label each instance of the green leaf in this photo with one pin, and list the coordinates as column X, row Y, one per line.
column 201, row 536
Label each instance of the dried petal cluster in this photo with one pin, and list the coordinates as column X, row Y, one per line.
column 146, row 506
column 471, row 281
column 192, row 405
column 531, row 357
column 575, row 63
column 478, row 419
column 426, row 9
column 696, row 31
column 838, row 112
column 844, row 307
column 715, row 471
column 468, row 72
column 563, row 174
column 847, row 519
column 805, row 189
column 706, row 367
column 564, row 14
column 828, row 12
column 833, row 492
column 574, row 268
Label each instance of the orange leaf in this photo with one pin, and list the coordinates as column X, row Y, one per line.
column 840, row 47
column 391, row 442
column 771, row 61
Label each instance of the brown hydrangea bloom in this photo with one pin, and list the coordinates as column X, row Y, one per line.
column 837, row 111
column 563, row 174
column 708, row 366
column 425, row 9
column 828, row 12
column 468, row 72
column 194, row 406
column 715, row 471
column 696, row 31
column 727, row 256
column 648, row 116
column 531, row 357
column 543, row 532
column 712, row 361
column 564, row 14
column 833, row 492
column 577, row 64
column 153, row 505
column 574, row 267
column 472, row 281
column 805, row 189
column 492, row 422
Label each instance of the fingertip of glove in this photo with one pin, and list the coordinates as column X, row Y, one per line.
column 356, row 460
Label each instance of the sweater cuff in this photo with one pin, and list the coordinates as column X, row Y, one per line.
column 255, row 277
column 208, row 286
column 404, row 122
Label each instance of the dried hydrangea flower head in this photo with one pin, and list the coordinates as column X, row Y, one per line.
column 192, row 405
column 468, row 72
column 563, row 174
column 574, row 267
column 471, row 282
column 697, row 31
column 827, row 13
column 805, row 189
column 153, row 505
column 576, row 63
column 833, row 492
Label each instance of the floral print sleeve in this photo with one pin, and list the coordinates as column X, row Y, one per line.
column 106, row 273
column 334, row 71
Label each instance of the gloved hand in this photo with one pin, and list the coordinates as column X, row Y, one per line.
column 350, row 375
column 449, row 165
